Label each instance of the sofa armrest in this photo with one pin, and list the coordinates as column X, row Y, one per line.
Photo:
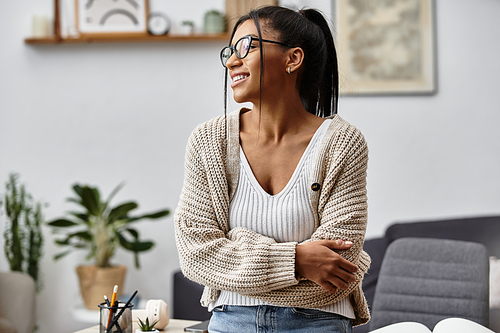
column 187, row 296
column 376, row 249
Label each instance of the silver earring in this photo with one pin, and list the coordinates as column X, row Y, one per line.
column 288, row 70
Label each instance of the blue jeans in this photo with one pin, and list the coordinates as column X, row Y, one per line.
column 273, row 319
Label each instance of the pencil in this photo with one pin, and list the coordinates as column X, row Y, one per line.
column 115, row 319
column 113, row 299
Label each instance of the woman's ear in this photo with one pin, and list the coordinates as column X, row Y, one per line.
column 295, row 59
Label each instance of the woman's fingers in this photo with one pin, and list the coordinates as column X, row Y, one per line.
column 328, row 287
column 346, row 276
column 317, row 262
column 337, row 244
column 341, row 245
column 339, row 283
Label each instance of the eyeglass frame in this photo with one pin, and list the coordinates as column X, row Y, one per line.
column 233, row 49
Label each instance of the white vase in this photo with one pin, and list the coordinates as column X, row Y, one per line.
column 186, row 29
column 153, row 331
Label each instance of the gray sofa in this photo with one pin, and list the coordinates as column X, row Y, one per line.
column 484, row 230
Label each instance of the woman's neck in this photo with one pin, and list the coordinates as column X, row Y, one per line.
column 279, row 117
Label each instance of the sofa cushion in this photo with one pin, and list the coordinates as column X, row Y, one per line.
column 484, row 230
column 426, row 280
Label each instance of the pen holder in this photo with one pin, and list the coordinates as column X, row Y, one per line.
column 121, row 318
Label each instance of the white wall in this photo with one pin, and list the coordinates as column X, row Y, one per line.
column 102, row 114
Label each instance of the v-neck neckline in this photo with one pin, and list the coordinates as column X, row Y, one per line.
column 258, row 187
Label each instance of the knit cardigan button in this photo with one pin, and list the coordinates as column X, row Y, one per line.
column 315, row 187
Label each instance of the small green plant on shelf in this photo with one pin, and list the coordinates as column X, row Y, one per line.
column 145, row 326
column 23, row 234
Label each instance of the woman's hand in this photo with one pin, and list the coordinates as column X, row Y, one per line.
column 316, row 261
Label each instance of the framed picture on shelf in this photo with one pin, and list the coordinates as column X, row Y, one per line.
column 96, row 17
column 385, row 47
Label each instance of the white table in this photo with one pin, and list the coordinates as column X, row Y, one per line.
column 174, row 326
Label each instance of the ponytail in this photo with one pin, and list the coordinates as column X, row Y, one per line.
column 325, row 98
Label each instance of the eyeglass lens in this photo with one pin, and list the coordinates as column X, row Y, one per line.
column 241, row 48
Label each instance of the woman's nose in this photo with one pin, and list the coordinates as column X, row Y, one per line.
column 233, row 61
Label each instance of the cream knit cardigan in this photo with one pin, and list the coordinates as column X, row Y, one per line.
column 251, row 264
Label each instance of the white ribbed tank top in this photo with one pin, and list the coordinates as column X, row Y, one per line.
column 285, row 217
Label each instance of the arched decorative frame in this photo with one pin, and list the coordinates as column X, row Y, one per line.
column 112, row 16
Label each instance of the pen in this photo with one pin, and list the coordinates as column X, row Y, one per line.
column 113, row 299
column 114, row 311
column 107, row 301
column 115, row 319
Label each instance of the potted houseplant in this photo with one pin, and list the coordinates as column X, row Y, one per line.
column 145, row 326
column 101, row 229
column 23, row 234
column 186, row 28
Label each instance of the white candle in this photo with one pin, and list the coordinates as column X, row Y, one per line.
column 40, row 26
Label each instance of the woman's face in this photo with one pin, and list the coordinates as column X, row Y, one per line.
column 245, row 73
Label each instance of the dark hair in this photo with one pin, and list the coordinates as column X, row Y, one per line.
column 318, row 80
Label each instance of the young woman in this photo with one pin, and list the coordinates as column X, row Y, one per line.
column 272, row 216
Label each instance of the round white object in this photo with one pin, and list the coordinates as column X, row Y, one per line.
column 158, row 24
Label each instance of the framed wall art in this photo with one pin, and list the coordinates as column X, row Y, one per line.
column 237, row 8
column 385, row 47
column 112, row 16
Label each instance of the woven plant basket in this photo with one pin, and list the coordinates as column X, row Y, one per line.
column 95, row 282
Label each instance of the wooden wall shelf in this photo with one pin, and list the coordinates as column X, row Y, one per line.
column 129, row 39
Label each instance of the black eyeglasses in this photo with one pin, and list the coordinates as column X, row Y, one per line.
column 241, row 48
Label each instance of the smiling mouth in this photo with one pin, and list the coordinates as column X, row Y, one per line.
column 239, row 78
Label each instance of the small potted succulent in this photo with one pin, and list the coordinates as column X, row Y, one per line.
column 186, row 28
column 145, row 326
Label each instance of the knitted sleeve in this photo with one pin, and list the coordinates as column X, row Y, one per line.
column 240, row 260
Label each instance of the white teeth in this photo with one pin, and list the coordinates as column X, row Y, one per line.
column 239, row 77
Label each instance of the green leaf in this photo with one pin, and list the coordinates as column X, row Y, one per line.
column 79, row 202
column 97, row 198
column 84, row 235
column 134, row 246
column 62, row 223
column 81, row 235
column 78, row 190
column 90, row 200
column 62, row 254
column 123, row 242
column 121, row 211
column 112, row 194
column 143, row 246
column 146, row 326
column 156, row 215
column 133, row 232
column 62, row 242
column 81, row 216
